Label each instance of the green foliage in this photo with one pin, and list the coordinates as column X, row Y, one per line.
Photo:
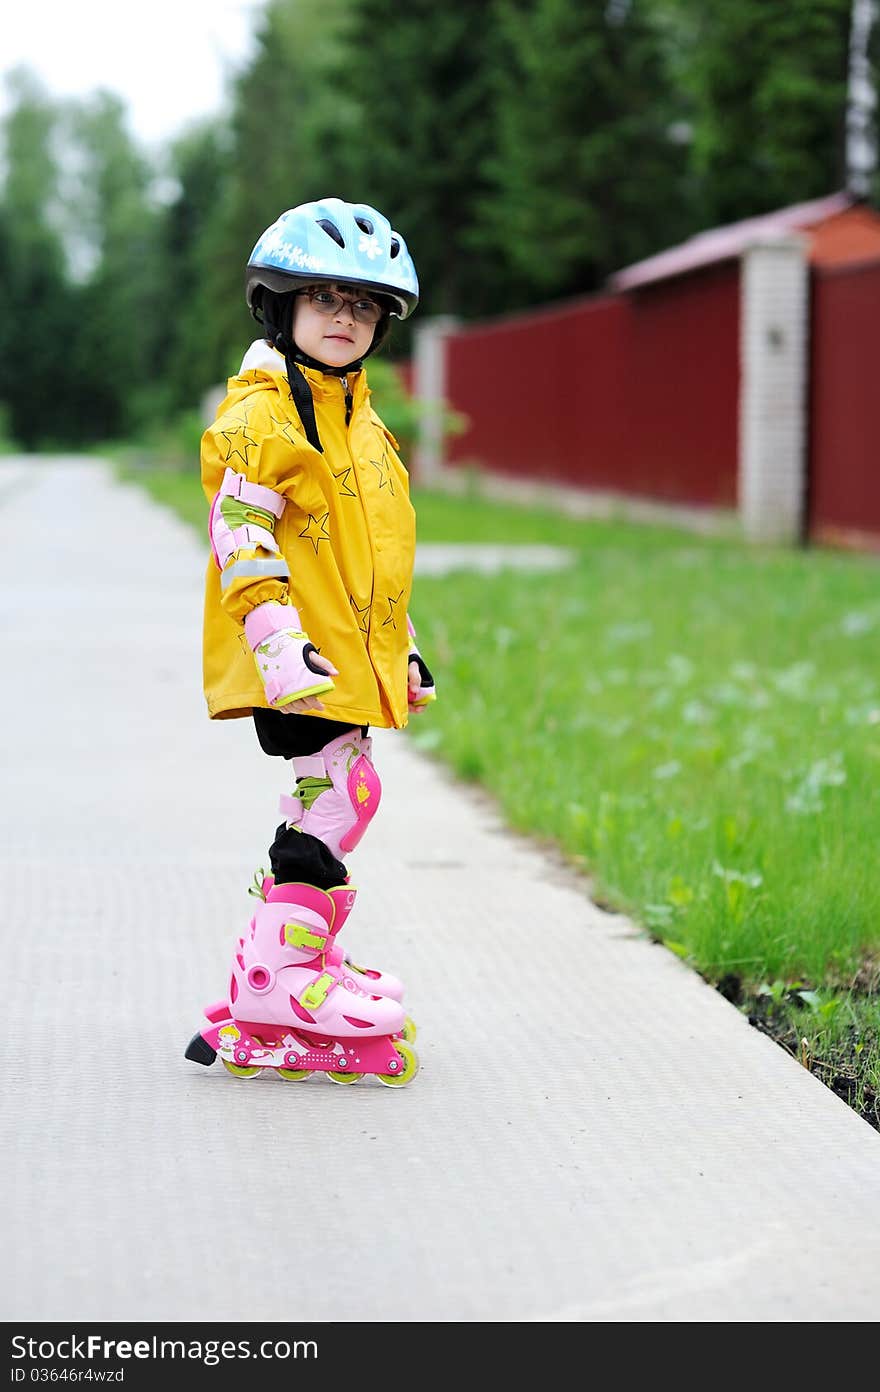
column 421, row 75
column 524, row 150
column 197, row 279
column 284, row 143
column 39, row 306
column 696, row 724
column 677, row 740
column 767, row 86
column 836, row 1037
column 7, row 444
column 116, row 353
column 399, row 409
column 584, row 173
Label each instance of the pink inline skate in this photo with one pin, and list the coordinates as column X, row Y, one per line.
column 357, row 978
column 295, row 1009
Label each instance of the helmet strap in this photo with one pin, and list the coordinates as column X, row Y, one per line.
column 302, row 400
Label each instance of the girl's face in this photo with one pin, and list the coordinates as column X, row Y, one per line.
column 332, row 336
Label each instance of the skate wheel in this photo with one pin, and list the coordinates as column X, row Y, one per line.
column 239, row 1070
column 344, row 1077
column 409, row 1030
column 409, row 1066
column 293, row 1075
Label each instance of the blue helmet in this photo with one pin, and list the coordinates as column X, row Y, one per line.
column 331, row 240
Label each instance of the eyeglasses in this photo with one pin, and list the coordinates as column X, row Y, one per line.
column 328, row 302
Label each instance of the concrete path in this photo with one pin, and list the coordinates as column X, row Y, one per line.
column 595, row 1135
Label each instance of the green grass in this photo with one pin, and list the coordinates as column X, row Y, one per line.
column 695, row 722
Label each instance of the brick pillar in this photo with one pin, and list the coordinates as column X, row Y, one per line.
column 429, row 389
column 774, row 362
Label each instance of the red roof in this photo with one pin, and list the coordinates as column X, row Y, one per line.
column 837, row 229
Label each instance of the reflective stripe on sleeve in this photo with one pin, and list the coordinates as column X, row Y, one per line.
column 254, row 569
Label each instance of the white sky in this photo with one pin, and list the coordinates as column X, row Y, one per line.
column 169, row 60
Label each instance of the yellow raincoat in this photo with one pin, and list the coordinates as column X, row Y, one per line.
column 347, row 534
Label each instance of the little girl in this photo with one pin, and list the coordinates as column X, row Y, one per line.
column 307, row 629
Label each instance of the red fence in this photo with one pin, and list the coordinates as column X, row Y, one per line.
column 844, row 470
column 633, row 394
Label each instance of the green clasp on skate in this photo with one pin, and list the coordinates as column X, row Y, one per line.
column 299, row 935
column 317, row 993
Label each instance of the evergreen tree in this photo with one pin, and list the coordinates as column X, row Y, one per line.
column 287, row 133
column 585, row 173
column 38, row 312
column 419, row 74
column 196, row 356
column 524, row 149
column 117, row 352
column 767, row 81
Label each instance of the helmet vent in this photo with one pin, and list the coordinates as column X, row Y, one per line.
column 395, row 247
column 332, row 231
column 365, row 225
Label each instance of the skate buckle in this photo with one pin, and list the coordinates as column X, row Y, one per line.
column 316, row 994
column 300, row 935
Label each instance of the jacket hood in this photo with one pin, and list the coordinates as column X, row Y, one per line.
column 261, row 356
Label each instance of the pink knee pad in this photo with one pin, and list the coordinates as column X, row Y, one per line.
column 337, row 794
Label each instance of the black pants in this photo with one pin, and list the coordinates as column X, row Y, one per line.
column 295, row 856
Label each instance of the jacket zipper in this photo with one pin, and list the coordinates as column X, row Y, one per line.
column 348, row 400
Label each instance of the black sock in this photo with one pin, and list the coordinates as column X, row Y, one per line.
column 297, row 857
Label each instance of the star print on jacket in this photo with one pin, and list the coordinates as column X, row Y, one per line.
column 383, row 466
column 284, row 427
column 343, row 478
column 315, row 529
column 392, row 616
column 245, row 442
column 362, row 615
